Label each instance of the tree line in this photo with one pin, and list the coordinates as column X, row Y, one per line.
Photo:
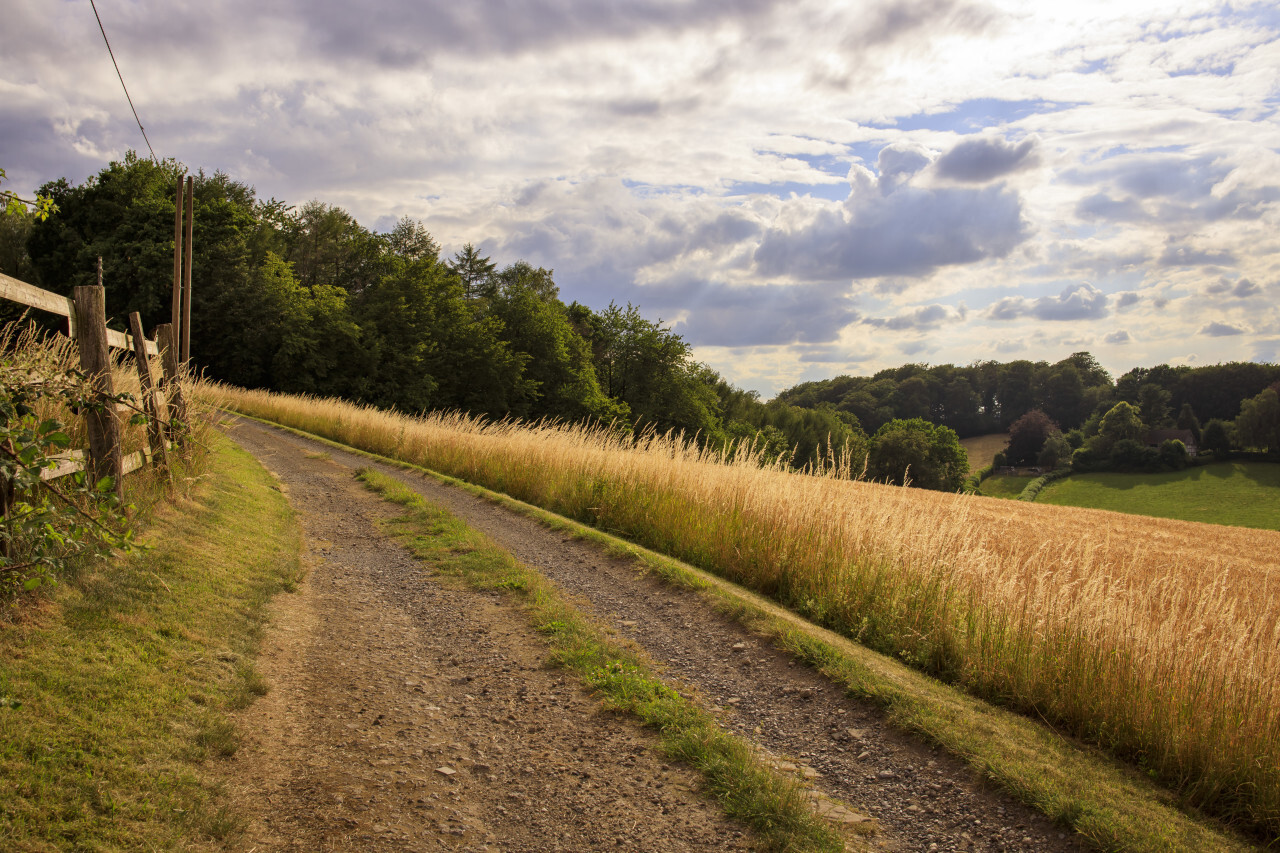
column 306, row 300
column 1076, row 392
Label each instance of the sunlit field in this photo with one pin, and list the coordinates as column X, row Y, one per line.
column 1158, row 640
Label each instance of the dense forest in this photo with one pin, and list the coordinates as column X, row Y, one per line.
column 305, row 299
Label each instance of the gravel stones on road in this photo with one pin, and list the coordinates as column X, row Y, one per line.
column 921, row 799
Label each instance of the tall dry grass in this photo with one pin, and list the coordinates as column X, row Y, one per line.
column 1158, row 640
column 35, row 353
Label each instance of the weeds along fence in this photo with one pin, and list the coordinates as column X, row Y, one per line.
column 162, row 398
column 1157, row 640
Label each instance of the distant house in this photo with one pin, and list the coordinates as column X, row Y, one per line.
column 1157, row 437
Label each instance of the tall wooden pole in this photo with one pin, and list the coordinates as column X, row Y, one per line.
column 95, row 361
column 177, row 256
column 186, row 290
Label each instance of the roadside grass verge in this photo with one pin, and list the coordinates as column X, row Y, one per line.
column 1246, row 494
column 1156, row 640
column 1111, row 805
column 116, row 684
column 748, row 790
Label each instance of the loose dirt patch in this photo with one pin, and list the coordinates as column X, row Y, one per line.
column 381, row 676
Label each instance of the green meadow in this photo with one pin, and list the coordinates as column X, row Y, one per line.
column 1245, row 494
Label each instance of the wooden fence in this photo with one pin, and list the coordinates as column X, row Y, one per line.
column 162, row 401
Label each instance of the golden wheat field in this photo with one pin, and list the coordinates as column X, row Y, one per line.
column 1158, row 640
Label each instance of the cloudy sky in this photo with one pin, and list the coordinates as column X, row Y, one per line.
column 801, row 188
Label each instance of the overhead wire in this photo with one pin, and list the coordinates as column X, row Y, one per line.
column 122, row 85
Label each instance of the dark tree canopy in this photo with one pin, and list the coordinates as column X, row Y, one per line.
column 1027, row 436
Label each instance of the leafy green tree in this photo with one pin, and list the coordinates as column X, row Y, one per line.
column 928, row 456
column 559, row 379
column 327, row 246
column 650, row 368
column 474, row 270
column 411, row 241
column 1153, row 406
column 1060, row 393
column 15, row 229
column 1015, row 391
column 124, row 215
column 1259, row 422
column 1173, row 455
column 1056, row 451
column 1123, row 422
column 1216, row 439
column 1187, row 420
column 427, row 349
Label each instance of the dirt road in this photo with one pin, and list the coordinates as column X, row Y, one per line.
column 407, row 715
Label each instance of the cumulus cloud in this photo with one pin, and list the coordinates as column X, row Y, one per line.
column 1121, row 337
column 1220, row 330
column 1168, row 188
column 1241, row 288
column 409, row 32
column 720, row 315
column 921, row 319
column 985, row 159
column 888, row 226
column 1188, row 256
column 1127, row 299
column 1080, row 301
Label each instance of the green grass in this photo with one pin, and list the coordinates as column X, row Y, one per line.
column 1246, row 494
column 747, row 788
column 117, row 683
column 1003, row 486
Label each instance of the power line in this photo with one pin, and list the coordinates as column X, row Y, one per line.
column 122, row 85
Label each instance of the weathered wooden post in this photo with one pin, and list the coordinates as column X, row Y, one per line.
column 95, row 361
column 177, row 256
column 172, row 376
column 185, row 342
column 155, row 430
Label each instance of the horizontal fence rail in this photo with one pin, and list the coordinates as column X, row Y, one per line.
column 162, row 401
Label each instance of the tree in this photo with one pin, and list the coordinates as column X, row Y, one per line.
column 1121, row 423
column 1259, row 422
column 1187, row 420
column 1056, row 451
column 1027, row 436
column 473, row 269
column 915, row 450
column 411, row 241
column 1153, row 405
column 559, row 379
column 1216, row 438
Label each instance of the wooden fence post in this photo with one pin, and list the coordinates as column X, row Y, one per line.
column 155, row 429
column 95, row 361
column 166, row 340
